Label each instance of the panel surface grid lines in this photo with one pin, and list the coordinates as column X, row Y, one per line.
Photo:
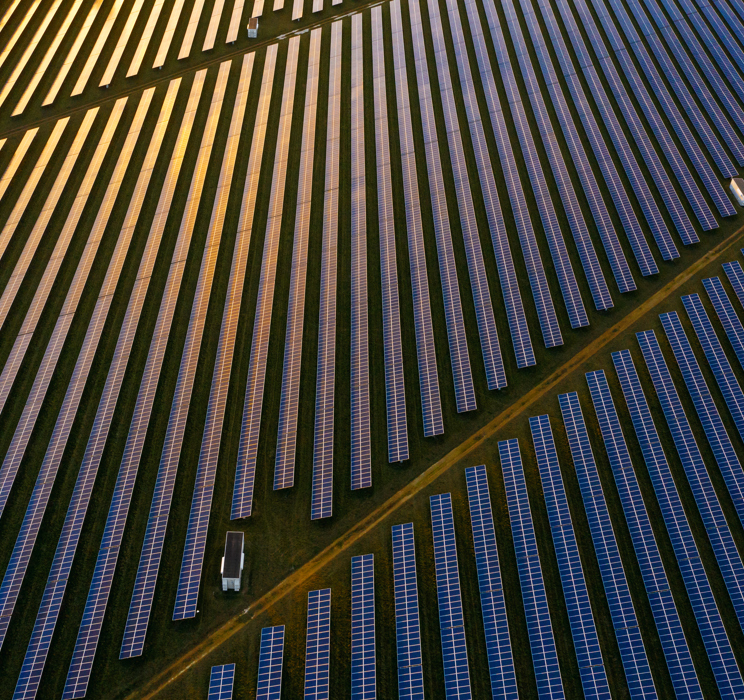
column 49, row 609
column 727, row 315
column 451, row 619
column 515, row 315
column 318, row 645
column 458, row 346
column 588, row 256
column 718, row 438
column 270, row 661
column 363, row 649
column 289, row 403
column 535, row 270
column 395, row 394
column 620, row 142
column 493, row 607
column 90, row 628
column 580, row 615
column 431, row 404
column 42, row 491
column 245, row 469
column 407, row 624
column 214, row 25
column 671, row 199
column 624, row 619
column 221, row 681
column 663, row 607
column 361, row 448
column 490, row 348
column 699, row 591
column 325, row 388
column 201, row 504
column 710, row 509
column 537, row 613
column 559, row 254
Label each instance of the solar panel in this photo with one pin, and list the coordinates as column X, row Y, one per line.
column 407, row 624
column 318, row 645
column 10, row 45
column 361, row 448
column 298, row 7
column 624, row 619
column 249, row 433
column 90, row 628
column 395, row 394
column 455, row 324
column 493, row 606
column 221, row 681
column 580, row 615
column 235, row 19
column 289, row 403
column 451, row 619
column 663, row 608
column 168, row 32
column 121, row 45
column 363, row 652
column 704, row 606
column 325, row 388
column 214, row 25
column 31, row 181
column 726, row 314
column 49, row 609
column 144, row 42
column 736, row 277
column 427, row 362
column 270, row 661
column 537, row 613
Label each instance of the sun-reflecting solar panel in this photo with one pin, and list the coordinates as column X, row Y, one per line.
column 663, row 607
column 407, row 624
column 534, row 596
column 221, row 681
column 318, row 645
column 121, row 45
column 363, row 649
column 580, row 616
column 270, row 662
column 625, row 621
column 15, row 161
column 451, row 618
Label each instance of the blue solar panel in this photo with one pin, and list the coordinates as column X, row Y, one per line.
column 395, row 394
column 451, row 619
column 580, row 615
column 270, row 661
column 668, row 624
column 624, row 618
column 407, row 625
column 539, row 627
column 726, row 315
column 736, row 277
column 493, row 607
column 363, row 650
column 318, row 645
column 221, row 682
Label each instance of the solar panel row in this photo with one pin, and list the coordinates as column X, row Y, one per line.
column 90, row 627
column 235, row 18
column 427, row 362
column 575, row 592
column 395, row 393
column 493, row 607
column 191, row 27
column 363, row 651
column 289, row 404
column 15, row 161
column 20, row 28
column 726, row 314
column 318, row 645
column 451, row 618
column 325, row 389
column 49, row 609
column 407, row 624
column 537, row 612
column 221, row 680
column 663, row 608
column 270, row 662
column 704, row 606
column 361, row 448
column 490, row 349
column 454, row 322
column 145, row 37
column 169, row 31
column 625, row 621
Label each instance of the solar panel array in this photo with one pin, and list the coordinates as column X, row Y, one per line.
column 363, row 649
column 575, row 592
column 318, row 646
column 221, row 680
column 407, row 624
column 534, row 597
column 270, row 662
